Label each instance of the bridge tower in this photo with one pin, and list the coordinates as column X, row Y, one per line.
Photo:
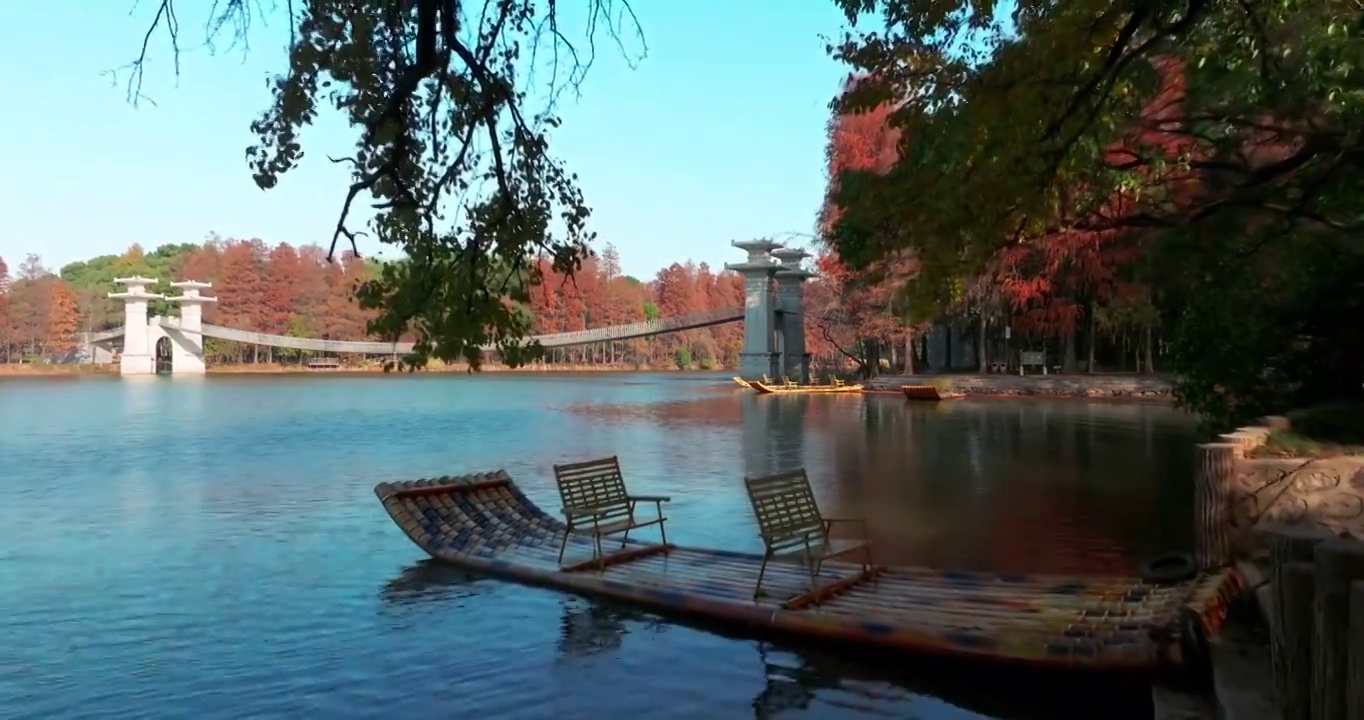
column 758, row 357
column 795, row 361
column 187, row 336
column 138, row 358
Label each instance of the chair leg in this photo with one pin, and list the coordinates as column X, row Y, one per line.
column 625, row 537
column 813, row 566
column 564, row 545
column 871, row 566
column 663, row 533
column 598, row 555
column 758, row 589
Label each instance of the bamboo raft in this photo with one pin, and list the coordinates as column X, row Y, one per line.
column 485, row 524
column 927, row 393
column 741, row 382
column 764, row 389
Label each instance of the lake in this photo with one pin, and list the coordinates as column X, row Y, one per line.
column 212, row 547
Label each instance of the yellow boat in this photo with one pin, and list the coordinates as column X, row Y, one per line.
column 764, row 389
column 742, row 382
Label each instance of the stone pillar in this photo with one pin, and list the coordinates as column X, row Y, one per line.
column 758, row 357
column 187, row 337
column 1214, row 503
column 795, row 362
column 138, row 356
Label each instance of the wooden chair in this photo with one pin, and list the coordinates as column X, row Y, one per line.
column 594, row 498
column 788, row 382
column 836, row 382
column 792, row 527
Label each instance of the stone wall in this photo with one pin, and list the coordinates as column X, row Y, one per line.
column 1290, row 492
column 1080, row 386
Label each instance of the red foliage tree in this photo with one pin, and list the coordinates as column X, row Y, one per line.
column 1062, row 279
column 852, row 310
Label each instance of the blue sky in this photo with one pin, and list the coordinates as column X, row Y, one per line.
column 718, row 134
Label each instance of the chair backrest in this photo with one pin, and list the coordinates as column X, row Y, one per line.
column 785, row 508
column 596, row 484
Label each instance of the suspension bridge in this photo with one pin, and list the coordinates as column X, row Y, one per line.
column 774, row 335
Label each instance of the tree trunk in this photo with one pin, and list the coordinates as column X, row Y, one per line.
column 1150, row 354
column 1091, row 338
column 909, row 351
column 981, row 360
column 1068, row 361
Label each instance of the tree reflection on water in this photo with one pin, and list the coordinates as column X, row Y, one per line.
column 1059, row 486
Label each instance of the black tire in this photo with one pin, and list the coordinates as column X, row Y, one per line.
column 1171, row 567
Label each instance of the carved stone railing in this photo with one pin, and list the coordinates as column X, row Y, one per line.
column 1240, row 497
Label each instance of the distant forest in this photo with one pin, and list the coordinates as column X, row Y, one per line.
column 294, row 291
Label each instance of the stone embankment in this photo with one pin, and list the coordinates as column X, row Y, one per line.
column 1079, row 386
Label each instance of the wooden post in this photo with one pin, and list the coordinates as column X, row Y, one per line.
column 1294, row 639
column 1213, row 500
column 1339, row 564
column 1293, row 626
column 1354, row 706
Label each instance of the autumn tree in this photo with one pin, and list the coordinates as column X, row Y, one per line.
column 4, row 310
column 1028, row 126
column 42, row 315
column 856, row 313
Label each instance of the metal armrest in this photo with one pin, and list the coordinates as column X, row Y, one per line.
column 649, row 498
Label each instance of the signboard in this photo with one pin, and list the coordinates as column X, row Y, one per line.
column 1032, row 358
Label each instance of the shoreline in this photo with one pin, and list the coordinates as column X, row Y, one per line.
column 16, row 370
column 1079, row 386
column 1127, row 388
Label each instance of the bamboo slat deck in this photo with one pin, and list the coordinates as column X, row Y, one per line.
column 765, row 389
column 484, row 523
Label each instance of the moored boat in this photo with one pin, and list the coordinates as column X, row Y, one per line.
column 484, row 523
column 776, row 389
column 928, row 393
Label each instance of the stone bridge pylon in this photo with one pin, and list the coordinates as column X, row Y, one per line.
column 774, row 323
column 178, row 339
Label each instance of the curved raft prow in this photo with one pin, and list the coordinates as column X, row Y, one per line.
column 484, row 523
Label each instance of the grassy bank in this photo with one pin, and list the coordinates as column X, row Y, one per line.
column 1324, row 431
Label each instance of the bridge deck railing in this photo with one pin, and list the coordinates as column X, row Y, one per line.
column 564, row 339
